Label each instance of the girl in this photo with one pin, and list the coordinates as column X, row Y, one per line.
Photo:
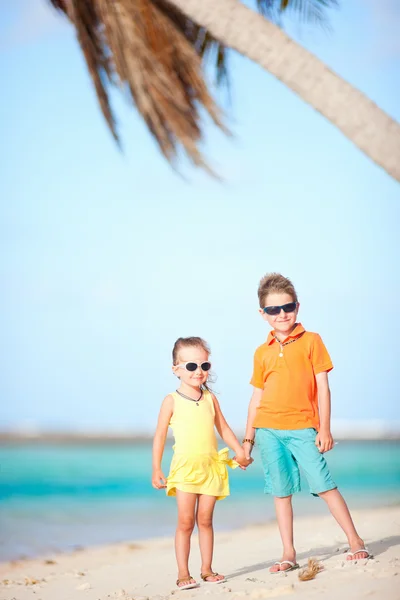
column 198, row 475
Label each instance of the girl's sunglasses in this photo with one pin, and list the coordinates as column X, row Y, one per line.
column 192, row 366
column 275, row 310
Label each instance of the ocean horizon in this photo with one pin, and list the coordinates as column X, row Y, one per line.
column 31, row 433
column 56, row 497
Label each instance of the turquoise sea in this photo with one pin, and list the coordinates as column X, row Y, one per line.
column 60, row 497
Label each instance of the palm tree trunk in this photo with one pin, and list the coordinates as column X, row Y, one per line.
column 247, row 32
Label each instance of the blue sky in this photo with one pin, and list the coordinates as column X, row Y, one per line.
column 106, row 258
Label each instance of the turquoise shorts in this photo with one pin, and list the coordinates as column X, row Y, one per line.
column 282, row 452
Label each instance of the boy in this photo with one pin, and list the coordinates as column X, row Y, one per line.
column 289, row 414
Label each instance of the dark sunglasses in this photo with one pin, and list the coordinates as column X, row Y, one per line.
column 275, row 310
column 192, row 366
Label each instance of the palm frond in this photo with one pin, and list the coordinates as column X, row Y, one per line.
column 205, row 45
column 212, row 50
column 308, row 11
column 86, row 20
column 270, row 9
column 146, row 48
column 60, row 5
column 153, row 53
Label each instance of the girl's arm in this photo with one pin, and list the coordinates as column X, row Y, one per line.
column 158, row 479
column 251, row 415
column 324, row 439
column 227, row 434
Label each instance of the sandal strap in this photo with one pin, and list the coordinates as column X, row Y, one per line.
column 205, row 576
column 188, row 578
column 359, row 551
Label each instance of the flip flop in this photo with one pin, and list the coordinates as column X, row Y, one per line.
column 365, row 550
column 205, row 575
column 292, row 566
column 188, row 585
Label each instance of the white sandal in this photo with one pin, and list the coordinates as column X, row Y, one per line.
column 364, row 550
column 292, row 566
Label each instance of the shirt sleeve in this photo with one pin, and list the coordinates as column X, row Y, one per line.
column 257, row 379
column 321, row 361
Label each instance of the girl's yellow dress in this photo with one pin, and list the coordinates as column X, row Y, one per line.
column 197, row 466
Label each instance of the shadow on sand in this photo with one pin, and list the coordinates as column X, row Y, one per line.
column 375, row 547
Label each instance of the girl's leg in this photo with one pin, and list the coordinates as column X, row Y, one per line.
column 284, row 515
column 340, row 511
column 186, row 512
column 204, row 517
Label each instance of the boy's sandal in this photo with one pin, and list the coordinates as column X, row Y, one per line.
column 205, row 576
column 188, row 585
column 364, row 550
column 292, row 566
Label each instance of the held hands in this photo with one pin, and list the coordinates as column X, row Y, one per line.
column 158, row 479
column 324, row 441
column 243, row 460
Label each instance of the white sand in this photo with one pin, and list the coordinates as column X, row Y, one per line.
column 147, row 569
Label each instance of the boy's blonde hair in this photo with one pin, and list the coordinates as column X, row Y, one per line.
column 275, row 283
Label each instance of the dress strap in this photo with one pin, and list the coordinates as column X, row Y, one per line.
column 207, row 397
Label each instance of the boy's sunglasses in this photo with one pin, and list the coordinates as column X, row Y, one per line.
column 275, row 310
column 192, row 366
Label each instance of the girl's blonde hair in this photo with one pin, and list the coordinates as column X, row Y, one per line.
column 191, row 342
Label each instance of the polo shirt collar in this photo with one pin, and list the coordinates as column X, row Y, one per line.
column 298, row 330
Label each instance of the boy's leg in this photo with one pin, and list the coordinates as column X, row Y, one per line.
column 340, row 511
column 284, row 515
column 204, row 518
column 303, row 447
column 282, row 479
column 186, row 513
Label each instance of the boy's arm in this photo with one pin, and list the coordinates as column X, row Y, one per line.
column 324, row 439
column 158, row 479
column 227, row 434
column 251, row 415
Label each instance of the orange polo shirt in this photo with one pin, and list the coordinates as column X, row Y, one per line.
column 290, row 395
